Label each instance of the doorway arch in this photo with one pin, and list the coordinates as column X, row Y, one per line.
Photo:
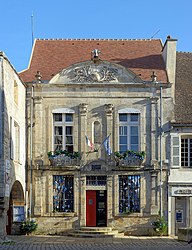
column 15, row 212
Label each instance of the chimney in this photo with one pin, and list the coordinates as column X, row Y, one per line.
column 169, row 56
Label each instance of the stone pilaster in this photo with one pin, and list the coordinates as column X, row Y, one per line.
column 83, row 128
column 38, row 196
column 83, row 201
column 77, row 202
column 154, row 205
column 154, row 129
column 109, row 200
column 38, row 138
column 109, row 123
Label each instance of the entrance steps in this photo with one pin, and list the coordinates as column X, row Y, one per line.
column 96, row 232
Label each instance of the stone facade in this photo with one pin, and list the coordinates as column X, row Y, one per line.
column 95, row 93
column 12, row 147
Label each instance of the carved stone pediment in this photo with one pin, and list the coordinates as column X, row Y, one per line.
column 98, row 166
column 88, row 72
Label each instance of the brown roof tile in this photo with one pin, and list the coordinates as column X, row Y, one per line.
column 140, row 56
column 183, row 88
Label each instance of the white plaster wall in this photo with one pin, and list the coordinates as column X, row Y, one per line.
column 17, row 112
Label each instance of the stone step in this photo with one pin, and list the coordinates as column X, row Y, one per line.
column 96, row 229
column 95, row 232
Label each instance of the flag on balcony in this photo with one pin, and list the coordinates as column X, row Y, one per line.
column 89, row 143
column 106, row 144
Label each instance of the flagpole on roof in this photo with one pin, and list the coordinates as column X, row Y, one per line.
column 32, row 29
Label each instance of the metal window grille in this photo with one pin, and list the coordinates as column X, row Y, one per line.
column 129, row 193
column 96, row 180
column 63, row 193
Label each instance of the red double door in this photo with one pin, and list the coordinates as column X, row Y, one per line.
column 96, row 208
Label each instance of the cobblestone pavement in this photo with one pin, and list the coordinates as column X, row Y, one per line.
column 69, row 243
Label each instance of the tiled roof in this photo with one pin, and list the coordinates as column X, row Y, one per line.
column 51, row 56
column 183, row 88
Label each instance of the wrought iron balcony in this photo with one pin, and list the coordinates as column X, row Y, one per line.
column 129, row 158
column 63, row 158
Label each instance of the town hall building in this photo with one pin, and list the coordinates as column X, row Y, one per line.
column 99, row 113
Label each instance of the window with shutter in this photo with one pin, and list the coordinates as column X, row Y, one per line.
column 175, row 150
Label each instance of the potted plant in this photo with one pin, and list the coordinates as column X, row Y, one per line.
column 28, row 226
column 160, row 226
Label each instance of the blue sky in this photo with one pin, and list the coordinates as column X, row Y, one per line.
column 127, row 19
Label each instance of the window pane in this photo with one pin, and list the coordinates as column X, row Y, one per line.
column 58, row 130
column 122, row 117
column 176, row 161
column 134, row 140
column 123, row 130
column 134, row 117
column 123, row 140
column 134, row 147
column 134, row 130
column 175, row 151
column 122, row 148
column 68, row 117
column 58, row 140
column 69, row 148
column 69, row 139
column 69, row 130
column 58, row 117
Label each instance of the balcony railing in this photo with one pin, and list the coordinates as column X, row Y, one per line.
column 63, row 158
column 129, row 158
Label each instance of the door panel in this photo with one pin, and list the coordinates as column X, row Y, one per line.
column 101, row 208
column 91, row 208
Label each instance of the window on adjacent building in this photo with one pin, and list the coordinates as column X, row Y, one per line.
column 129, row 193
column 63, row 193
column 11, row 138
column 186, row 152
column 16, row 92
column 128, row 132
column 63, row 132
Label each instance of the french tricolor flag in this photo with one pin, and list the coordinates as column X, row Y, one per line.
column 89, row 143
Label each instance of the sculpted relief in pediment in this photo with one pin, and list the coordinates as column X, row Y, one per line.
column 90, row 72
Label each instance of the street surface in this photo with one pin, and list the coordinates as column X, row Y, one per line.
column 70, row 243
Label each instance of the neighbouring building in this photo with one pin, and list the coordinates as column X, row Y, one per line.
column 95, row 106
column 12, row 148
column 180, row 175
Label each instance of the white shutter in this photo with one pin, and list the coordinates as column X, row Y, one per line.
column 175, row 150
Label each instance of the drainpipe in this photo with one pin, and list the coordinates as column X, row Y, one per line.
column 161, row 118
column 31, row 150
